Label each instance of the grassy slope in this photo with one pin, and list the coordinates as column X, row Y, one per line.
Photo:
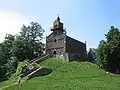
column 71, row 76
column 8, row 82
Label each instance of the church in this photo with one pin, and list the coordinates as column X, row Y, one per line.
column 59, row 45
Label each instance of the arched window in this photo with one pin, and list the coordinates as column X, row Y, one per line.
column 54, row 52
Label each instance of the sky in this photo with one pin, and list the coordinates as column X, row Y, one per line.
column 84, row 20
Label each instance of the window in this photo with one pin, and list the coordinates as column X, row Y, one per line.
column 55, row 40
column 54, row 52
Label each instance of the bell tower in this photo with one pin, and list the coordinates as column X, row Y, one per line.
column 57, row 27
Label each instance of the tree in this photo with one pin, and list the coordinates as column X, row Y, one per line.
column 26, row 45
column 11, row 65
column 108, row 52
column 5, row 54
column 92, row 55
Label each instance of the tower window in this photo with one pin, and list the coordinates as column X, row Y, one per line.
column 54, row 52
column 55, row 40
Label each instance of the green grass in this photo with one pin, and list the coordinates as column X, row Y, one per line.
column 71, row 76
column 11, row 80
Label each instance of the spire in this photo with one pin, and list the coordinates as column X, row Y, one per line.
column 58, row 18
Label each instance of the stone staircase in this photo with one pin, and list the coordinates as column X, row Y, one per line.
column 33, row 72
column 39, row 59
column 29, row 75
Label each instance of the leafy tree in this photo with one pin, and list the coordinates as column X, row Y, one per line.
column 5, row 48
column 11, row 65
column 28, row 44
column 108, row 52
column 5, row 53
column 92, row 55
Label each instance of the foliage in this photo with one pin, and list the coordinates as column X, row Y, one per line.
column 28, row 44
column 70, row 76
column 11, row 65
column 5, row 55
column 25, row 45
column 22, row 67
column 92, row 55
column 108, row 52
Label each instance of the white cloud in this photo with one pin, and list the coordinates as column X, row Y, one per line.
column 10, row 22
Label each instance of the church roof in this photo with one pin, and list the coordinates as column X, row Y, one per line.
column 75, row 39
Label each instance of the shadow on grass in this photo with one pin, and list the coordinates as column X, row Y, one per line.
column 41, row 72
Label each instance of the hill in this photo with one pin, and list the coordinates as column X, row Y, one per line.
column 70, row 76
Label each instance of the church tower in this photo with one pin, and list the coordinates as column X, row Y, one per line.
column 56, row 41
column 57, row 27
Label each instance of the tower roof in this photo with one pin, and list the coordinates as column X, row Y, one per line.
column 57, row 25
column 58, row 18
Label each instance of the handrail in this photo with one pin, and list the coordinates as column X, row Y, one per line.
column 34, row 72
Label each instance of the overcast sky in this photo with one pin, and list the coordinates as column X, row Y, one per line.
column 84, row 20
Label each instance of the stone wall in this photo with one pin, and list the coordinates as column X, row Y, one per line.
column 75, row 49
column 55, row 44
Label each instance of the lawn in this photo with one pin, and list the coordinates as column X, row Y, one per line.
column 70, row 76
